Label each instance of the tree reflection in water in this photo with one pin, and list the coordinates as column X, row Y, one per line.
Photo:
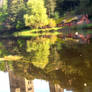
column 63, row 62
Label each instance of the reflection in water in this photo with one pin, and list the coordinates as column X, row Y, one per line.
column 66, row 90
column 41, row 86
column 56, row 88
column 20, row 84
column 4, row 82
column 65, row 63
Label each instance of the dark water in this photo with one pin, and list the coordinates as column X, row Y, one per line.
column 65, row 61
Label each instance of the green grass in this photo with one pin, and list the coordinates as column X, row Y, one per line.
column 82, row 26
column 89, row 25
column 60, row 20
column 67, row 19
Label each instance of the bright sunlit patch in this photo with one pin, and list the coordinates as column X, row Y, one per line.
column 41, row 86
column 66, row 90
column 85, row 84
column 4, row 82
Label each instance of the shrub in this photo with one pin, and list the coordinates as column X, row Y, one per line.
column 3, row 17
column 19, row 25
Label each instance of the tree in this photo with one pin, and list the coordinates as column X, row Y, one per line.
column 16, row 11
column 36, row 16
column 3, row 5
column 62, row 6
column 50, row 5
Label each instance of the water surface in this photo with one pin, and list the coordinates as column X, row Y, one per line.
column 64, row 61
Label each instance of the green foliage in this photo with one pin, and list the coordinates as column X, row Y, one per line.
column 56, row 15
column 21, row 43
column 2, row 50
column 82, row 26
column 35, row 13
column 36, row 16
column 5, row 5
column 2, row 66
column 19, row 25
column 60, row 20
column 3, row 17
column 83, row 6
column 16, row 11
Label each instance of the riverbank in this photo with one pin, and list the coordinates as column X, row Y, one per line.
column 30, row 32
column 51, row 31
column 40, row 32
column 82, row 26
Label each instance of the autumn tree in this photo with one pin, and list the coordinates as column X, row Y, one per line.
column 39, row 52
column 36, row 15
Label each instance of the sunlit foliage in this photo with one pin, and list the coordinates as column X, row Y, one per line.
column 36, row 16
column 39, row 52
column 52, row 23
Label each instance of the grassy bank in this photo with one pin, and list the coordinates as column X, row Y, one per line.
column 82, row 26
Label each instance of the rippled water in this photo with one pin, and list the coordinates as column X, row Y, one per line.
column 64, row 61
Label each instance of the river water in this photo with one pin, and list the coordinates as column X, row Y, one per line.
column 49, row 63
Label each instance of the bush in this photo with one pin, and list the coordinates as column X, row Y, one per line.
column 20, row 25
column 3, row 17
column 52, row 23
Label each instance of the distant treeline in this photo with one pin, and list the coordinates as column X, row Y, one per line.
column 38, row 13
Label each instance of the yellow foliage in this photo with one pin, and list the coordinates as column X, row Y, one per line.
column 60, row 20
column 37, row 16
column 53, row 39
column 11, row 58
column 52, row 23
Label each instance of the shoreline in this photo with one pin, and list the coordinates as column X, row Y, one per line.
column 39, row 32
